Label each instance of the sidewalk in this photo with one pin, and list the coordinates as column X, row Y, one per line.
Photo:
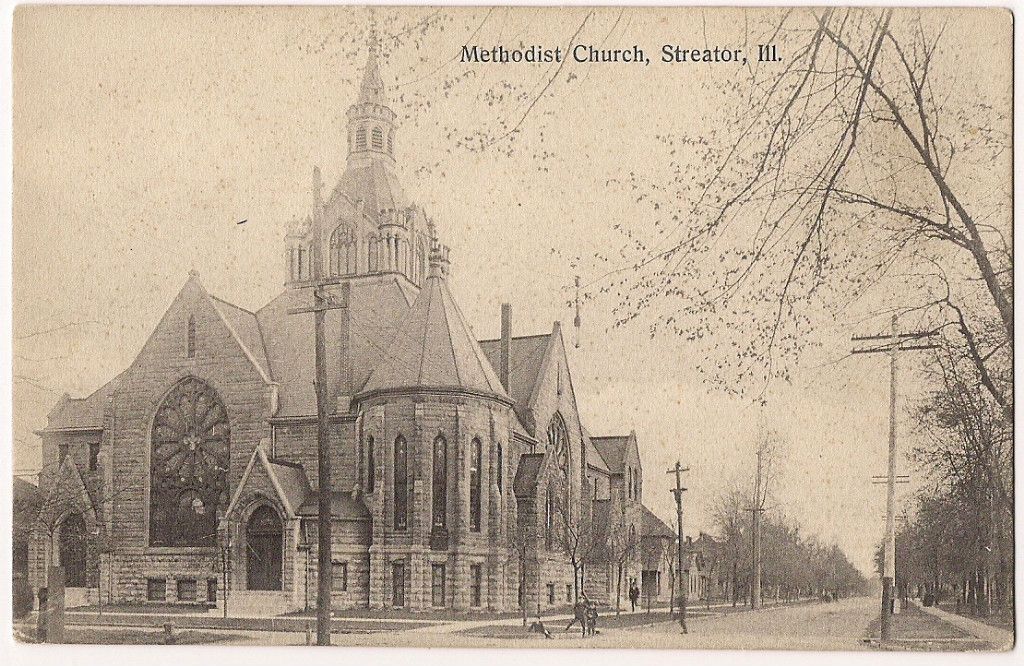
column 999, row 639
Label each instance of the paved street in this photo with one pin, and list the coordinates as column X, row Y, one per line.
column 806, row 626
column 836, row 626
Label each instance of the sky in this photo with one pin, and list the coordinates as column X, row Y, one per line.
column 143, row 135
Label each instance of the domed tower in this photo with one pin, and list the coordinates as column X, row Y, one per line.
column 369, row 225
column 436, row 463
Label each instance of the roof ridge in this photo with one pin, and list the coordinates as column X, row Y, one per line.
column 518, row 337
column 226, row 302
column 451, row 338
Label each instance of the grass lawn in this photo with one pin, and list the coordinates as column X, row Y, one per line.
column 426, row 615
column 1001, row 618
column 104, row 636
column 148, row 608
column 913, row 629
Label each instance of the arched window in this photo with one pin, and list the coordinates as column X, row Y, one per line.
column 188, row 467
column 371, row 467
column 72, row 547
column 475, row 465
column 377, row 139
column 401, row 484
column 391, row 141
column 191, row 334
column 558, row 443
column 361, row 138
column 351, row 247
column 500, row 466
column 439, row 488
column 549, row 519
column 371, row 251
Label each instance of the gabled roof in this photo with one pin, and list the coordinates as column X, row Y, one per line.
column 594, row 458
column 526, row 355
column 246, row 328
column 527, row 473
column 82, row 412
column 652, row 526
column 288, row 480
column 612, row 450
column 435, row 348
column 376, row 306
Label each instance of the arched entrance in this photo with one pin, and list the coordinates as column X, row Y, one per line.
column 264, row 541
column 72, row 550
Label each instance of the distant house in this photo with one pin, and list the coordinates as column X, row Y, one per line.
column 26, row 509
column 658, row 555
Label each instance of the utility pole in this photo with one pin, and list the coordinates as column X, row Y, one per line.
column 678, row 492
column 891, row 344
column 756, row 509
column 577, row 320
column 321, row 303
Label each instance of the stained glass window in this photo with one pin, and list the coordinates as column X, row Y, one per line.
column 188, row 467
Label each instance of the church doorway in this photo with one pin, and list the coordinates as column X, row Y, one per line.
column 264, row 541
column 72, row 550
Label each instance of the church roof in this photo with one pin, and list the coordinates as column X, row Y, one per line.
column 612, row 450
column 343, row 506
column 652, row 526
column 84, row 412
column 435, row 348
column 526, row 354
column 373, row 182
column 246, row 328
column 527, row 473
column 594, row 457
column 376, row 307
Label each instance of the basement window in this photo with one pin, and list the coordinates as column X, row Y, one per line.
column 156, row 589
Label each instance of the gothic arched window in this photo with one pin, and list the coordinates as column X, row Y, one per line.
column 439, row 488
column 188, row 467
column 371, row 251
column 401, row 484
column 475, row 465
column 500, row 465
column 549, row 519
column 361, row 138
column 558, row 443
column 371, row 467
column 377, row 139
column 391, row 141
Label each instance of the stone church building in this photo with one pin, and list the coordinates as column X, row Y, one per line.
column 456, row 464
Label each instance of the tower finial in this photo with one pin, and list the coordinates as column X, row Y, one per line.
column 372, row 88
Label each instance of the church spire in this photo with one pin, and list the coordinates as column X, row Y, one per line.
column 372, row 89
column 371, row 123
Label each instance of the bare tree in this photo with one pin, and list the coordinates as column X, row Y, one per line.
column 860, row 162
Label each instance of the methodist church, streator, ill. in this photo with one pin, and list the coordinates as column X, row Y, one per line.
column 457, row 463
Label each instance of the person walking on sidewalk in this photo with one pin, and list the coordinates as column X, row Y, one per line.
column 634, row 594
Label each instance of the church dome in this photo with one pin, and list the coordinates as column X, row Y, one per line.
column 435, row 348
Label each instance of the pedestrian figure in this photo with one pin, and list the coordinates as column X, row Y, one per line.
column 579, row 615
column 591, row 619
column 634, row 595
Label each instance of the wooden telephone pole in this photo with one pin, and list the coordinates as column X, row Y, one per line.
column 321, row 303
column 891, row 344
column 678, row 492
column 756, row 510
